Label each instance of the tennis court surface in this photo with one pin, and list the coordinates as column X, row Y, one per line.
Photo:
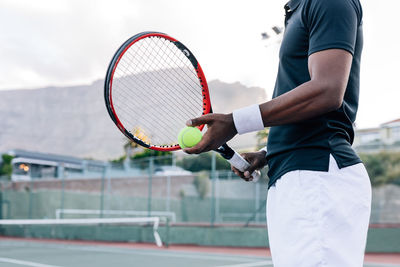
column 57, row 253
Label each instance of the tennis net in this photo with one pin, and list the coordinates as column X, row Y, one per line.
column 12, row 226
column 162, row 214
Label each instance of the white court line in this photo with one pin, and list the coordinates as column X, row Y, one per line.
column 25, row 263
column 168, row 254
column 250, row 264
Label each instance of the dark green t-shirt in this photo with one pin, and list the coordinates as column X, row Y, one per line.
column 312, row 26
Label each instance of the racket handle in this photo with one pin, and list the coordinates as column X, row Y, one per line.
column 241, row 164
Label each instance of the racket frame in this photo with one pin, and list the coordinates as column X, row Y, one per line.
column 206, row 105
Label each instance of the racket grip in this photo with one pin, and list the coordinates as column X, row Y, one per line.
column 241, row 164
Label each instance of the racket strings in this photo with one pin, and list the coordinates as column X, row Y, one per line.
column 128, row 110
column 155, row 91
column 168, row 83
column 177, row 57
column 154, row 78
column 133, row 108
column 151, row 78
column 177, row 54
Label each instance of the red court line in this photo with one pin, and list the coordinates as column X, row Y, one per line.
column 385, row 225
column 393, row 258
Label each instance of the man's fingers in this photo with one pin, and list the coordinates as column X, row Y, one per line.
column 251, row 169
column 206, row 144
column 247, row 173
column 199, row 148
column 237, row 172
column 199, row 120
column 241, row 174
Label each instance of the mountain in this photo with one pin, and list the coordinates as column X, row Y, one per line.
column 73, row 120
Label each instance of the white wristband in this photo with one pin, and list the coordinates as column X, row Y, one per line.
column 263, row 149
column 248, row 119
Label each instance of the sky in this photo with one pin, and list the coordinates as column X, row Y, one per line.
column 70, row 42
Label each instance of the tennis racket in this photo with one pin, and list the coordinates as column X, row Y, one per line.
column 153, row 85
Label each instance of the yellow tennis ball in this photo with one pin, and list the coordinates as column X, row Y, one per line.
column 189, row 137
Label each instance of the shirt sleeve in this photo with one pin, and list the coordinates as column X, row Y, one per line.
column 332, row 24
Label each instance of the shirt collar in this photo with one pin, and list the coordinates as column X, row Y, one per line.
column 292, row 5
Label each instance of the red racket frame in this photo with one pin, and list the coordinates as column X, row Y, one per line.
column 110, row 75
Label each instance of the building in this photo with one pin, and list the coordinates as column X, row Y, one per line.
column 29, row 165
column 384, row 137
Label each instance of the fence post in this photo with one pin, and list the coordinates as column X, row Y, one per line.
column 107, row 167
column 173, row 160
column 103, row 177
column 217, row 196
column 168, row 203
column 151, row 167
column 1, row 201
column 213, row 167
column 62, row 190
column 257, row 202
column 1, row 207
column 30, row 204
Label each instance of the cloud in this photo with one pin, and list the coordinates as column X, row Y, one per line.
column 67, row 42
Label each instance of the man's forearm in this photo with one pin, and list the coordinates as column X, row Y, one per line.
column 305, row 101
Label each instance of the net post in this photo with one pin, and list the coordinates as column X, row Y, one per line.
column 157, row 238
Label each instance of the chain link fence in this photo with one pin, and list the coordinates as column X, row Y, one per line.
column 157, row 186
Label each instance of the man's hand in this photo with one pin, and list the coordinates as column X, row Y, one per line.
column 220, row 129
column 257, row 161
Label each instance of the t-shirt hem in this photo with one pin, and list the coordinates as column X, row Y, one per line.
column 348, row 164
column 343, row 46
column 277, row 176
column 320, row 168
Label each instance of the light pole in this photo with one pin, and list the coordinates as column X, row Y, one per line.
column 272, row 35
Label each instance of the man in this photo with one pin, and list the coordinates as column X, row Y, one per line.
column 319, row 196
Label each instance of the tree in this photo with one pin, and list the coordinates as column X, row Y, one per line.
column 202, row 184
column 160, row 157
column 383, row 168
column 202, row 162
column 129, row 146
column 6, row 166
column 262, row 138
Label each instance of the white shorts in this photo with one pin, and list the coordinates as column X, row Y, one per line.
column 319, row 218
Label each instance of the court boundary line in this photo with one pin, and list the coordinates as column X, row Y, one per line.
column 26, row 263
column 250, row 264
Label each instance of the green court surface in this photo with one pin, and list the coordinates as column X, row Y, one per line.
column 19, row 252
